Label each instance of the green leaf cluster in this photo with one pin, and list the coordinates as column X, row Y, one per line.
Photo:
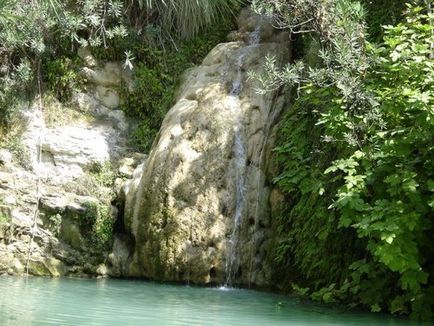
column 38, row 36
column 97, row 223
column 356, row 156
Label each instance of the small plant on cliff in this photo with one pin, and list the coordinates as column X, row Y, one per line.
column 4, row 219
column 62, row 77
column 20, row 152
column 98, row 224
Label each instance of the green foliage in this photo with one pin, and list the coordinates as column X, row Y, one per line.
column 371, row 111
column 156, row 77
column 185, row 18
column 4, row 219
column 387, row 194
column 104, row 174
column 53, row 223
column 14, row 84
column 98, row 223
column 20, row 152
column 309, row 228
column 62, row 77
column 98, row 182
column 381, row 13
column 38, row 35
column 149, row 101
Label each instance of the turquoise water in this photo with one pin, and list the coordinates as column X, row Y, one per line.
column 44, row 301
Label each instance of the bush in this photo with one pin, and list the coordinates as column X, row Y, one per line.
column 37, row 37
column 20, row 153
column 98, row 223
column 62, row 77
column 381, row 13
column 362, row 181
column 184, row 18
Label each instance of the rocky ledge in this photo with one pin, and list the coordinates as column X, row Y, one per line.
column 60, row 169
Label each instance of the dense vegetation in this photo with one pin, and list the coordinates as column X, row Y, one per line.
column 356, row 153
column 355, row 148
column 39, row 41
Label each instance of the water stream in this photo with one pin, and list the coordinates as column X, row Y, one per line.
column 48, row 301
column 240, row 155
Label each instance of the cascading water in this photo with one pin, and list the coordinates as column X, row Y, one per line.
column 255, row 36
column 240, row 154
column 193, row 213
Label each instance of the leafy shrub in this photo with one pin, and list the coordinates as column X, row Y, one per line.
column 387, row 196
column 62, row 77
column 313, row 243
column 104, row 174
column 185, row 18
column 381, row 13
column 369, row 157
column 98, row 223
column 36, row 38
column 20, row 153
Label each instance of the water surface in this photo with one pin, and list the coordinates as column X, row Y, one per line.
column 45, row 301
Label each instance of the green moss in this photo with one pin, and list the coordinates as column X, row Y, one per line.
column 54, row 222
column 62, row 76
column 38, row 268
column 20, row 153
column 4, row 219
column 104, row 174
column 97, row 223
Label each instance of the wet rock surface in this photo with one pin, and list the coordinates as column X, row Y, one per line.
column 198, row 210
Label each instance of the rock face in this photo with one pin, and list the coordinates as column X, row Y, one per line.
column 199, row 211
column 50, row 198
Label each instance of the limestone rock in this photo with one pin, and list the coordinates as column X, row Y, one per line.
column 198, row 209
column 107, row 96
column 5, row 157
column 90, row 105
column 51, row 161
column 120, row 256
column 127, row 165
column 110, row 75
column 85, row 54
column 10, row 200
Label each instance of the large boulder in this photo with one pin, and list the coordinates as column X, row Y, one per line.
column 199, row 212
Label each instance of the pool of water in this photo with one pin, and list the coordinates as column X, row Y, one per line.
column 45, row 301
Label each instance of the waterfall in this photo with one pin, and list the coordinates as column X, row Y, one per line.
column 240, row 154
column 195, row 205
column 240, row 162
column 255, row 36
